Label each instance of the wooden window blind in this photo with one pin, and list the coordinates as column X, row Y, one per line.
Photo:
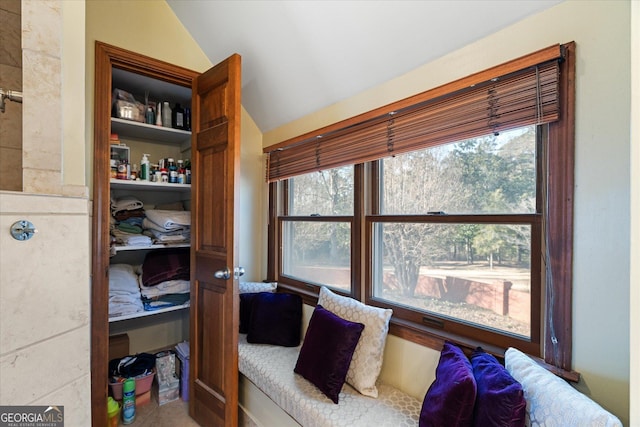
column 464, row 109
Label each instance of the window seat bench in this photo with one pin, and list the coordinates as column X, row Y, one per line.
column 270, row 369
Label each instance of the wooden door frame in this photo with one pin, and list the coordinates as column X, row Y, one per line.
column 106, row 58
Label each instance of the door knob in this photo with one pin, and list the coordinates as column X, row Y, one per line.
column 222, row 274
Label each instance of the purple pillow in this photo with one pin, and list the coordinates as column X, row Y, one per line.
column 451, row 398
column 500, row 400
column 275, row 318
column 246, row 306
column 327, row 350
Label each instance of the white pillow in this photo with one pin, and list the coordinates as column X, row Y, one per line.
column 253, row 287
column 551, row 401
column 367, row 358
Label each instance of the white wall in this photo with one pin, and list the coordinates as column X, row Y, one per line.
column 601, row 30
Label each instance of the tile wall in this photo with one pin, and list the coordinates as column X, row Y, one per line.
column 10, row 79
column 45, row 281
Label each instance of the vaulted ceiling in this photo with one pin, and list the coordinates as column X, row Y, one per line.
column 302, row 55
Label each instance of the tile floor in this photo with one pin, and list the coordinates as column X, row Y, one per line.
column 172, row 414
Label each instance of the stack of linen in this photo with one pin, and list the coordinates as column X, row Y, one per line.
column 127, row 215
column 168, row 226
column 124, row 294
column 164, row 281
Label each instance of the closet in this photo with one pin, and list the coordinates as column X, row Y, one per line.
column 209, row 202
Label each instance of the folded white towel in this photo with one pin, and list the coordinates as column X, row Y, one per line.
column 123, row 280
column 129, row 239
column 164, row 288
column 126, row 203
column 169, row 220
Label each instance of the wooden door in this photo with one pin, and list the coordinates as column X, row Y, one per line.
column 215, row 154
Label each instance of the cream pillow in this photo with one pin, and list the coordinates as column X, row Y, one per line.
column 253, row 287
column 367, row 358
column 551, row 401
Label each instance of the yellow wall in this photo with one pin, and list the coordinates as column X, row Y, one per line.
column 601, row 30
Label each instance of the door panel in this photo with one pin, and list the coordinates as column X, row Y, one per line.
column 215, row 302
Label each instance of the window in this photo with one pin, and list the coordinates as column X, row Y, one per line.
column 455, row 235
column 317, row 230
column 453, row 207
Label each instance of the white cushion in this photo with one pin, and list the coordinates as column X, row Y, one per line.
column 270, row 368
column 367, row 358
column 253, row 287
column 551, row 401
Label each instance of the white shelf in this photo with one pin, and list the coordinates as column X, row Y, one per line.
column 148, row 313
column 119, row 248
column 131, row 129
column 123, row 184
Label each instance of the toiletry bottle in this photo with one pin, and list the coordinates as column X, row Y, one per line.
column 129, row 401
column 158, row 114
column 187, row 171
column 134, row 172
column 149, row 119
column 187, row 119
column 144, row 168
column 181, row 175
column 173, row 171
column 178, row 117
column 166, row 115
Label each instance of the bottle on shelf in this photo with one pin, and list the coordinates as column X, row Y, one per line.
column 122, row 170
column 177, row 117
column 149, row 118
column 134, row 172
column 173, row 171
column 181, row 174
column 164, row 176
column 144, row 168
column 166, row 115
column 187, row 171
column 187, row 119
column 158, row 113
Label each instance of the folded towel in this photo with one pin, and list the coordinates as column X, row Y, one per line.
column 168, row 264
column 168, row 237
column 169, row 300
column 164, row 288
column 126, row 203
column 129, row 228
column 123, row 280
column 129, row 239
column 168, row 219
column 123, row 215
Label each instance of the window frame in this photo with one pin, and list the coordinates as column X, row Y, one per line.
column 555, row 344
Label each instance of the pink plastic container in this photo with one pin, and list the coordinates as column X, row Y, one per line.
column 143, row 384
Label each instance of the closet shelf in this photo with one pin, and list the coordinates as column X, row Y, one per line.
column 122, row 184
column 121, row 248
column 148, row 313
column 154, row 133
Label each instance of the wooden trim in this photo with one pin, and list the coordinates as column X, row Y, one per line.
column 543, row 55
column 106, row 57
column 560, row 222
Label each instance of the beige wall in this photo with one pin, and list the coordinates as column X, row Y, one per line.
column 635, row 217
column 601, row 30
column 44, row 281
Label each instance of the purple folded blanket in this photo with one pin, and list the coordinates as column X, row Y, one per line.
column 167, row 264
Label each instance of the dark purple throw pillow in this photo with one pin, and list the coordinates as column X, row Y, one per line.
column 275, row 318
column 327, row 350
column 451, row 398
column 246, row 305
column 500, row 400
